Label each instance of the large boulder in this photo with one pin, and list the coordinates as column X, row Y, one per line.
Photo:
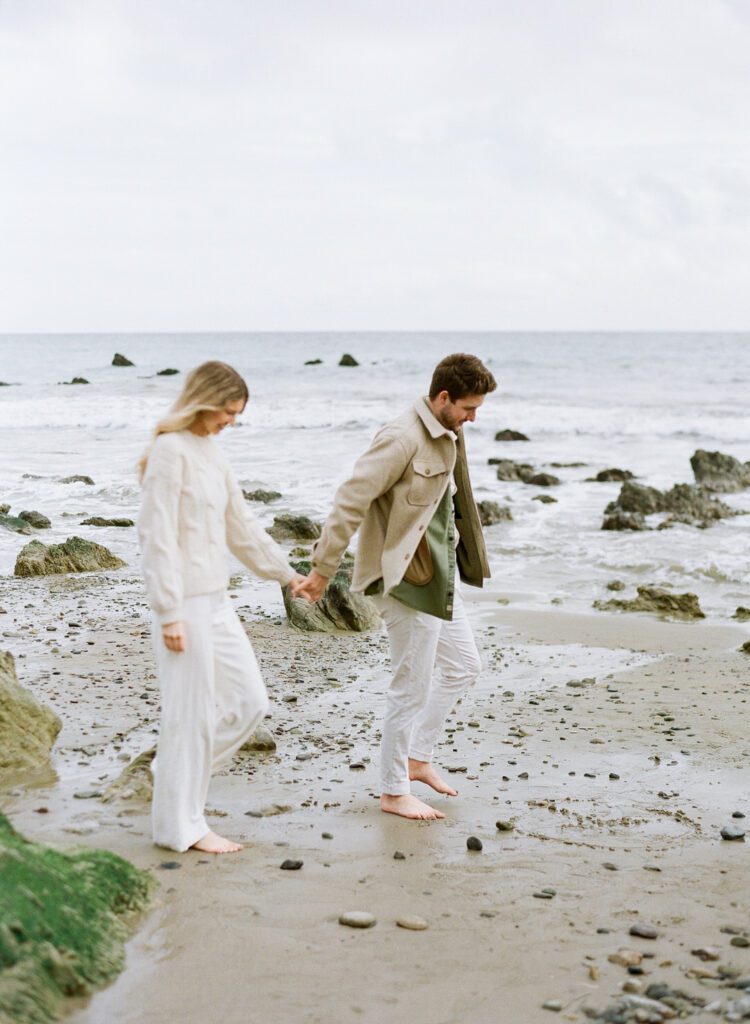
column 75, row 555
column 654, row 599
column 64, row 919
column 289, row 527
column 348, row 360
column 121, row 360
column 510, row 435
column 339, row 608
column 28, row 730
column 490, row 513
column 684, row 503
column 719, row 472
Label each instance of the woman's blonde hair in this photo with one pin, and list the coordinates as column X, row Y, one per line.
column 210, row 387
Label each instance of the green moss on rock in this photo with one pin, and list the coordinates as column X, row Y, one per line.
column 63, row 923
column 75, row 555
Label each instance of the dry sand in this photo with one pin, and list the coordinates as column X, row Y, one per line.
column 237, row 939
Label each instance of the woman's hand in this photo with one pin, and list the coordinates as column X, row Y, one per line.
column 174, row 635
column 310, row 587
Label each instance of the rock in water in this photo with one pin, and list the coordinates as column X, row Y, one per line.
column 605, row 476
column 260, row 495
column 121, row 360
column 624, row 521
column 289, row 527
column 27, row 729
column 71, row 943
column 510, row 435
column 684, row 503
column 135, row 781
column 338, row 608
column 77, row 478
column 98, row 521
column 508, row 470
column 169, row 372
column 15, row 524
column 653, row 599
column 75, row 555
column 348, row 360
column 35, row 519
column 490, row 513
column 719, row 472
column 543, row 480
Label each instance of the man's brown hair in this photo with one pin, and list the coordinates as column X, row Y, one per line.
column 461, row 375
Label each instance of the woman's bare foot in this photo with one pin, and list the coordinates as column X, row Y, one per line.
column 408, row 806
column 422, row 771
column 211, row 843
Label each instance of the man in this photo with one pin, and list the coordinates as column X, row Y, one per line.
column 410, row 496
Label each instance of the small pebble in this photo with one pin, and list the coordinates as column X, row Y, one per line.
column 706, row 953
column 357, row 919
column 552, row 1004
column 326, row 835
column 644, row 931
column 472, row 843
column 398, row 855
column 505, row 826
column 291, row 865
column 614, row 775
column 412, row 923
column 728, row 832
column 170, row 865
column 740, row 940
column 737, row 814
column 610, row 866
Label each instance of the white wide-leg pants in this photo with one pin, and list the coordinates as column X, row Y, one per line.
column 212, row 700
column 433, row 663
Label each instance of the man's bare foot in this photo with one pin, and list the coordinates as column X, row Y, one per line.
column 408, row 806
column 211, row 843
column 422, row 771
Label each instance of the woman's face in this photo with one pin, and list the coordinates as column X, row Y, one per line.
column 213, row 422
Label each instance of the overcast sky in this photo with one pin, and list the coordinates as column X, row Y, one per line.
column 374, row 164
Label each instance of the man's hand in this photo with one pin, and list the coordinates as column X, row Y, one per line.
column 174, row 635
column 310, row 587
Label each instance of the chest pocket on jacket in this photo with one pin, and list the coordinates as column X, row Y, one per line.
column 428, row 481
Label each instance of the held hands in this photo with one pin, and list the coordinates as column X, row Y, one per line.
column 174, row 636
column 310, row 587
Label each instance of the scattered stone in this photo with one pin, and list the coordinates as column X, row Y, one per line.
column 313, row 362
column 654, row 599
column 169, row 372
column 357, row 919
column 706, row 953
column 615, row 585
column 291, row 865
column 263, row 496
column 552, row 1004
column 290, row 527
column 619, row 520
column 121, row 360
column 170, row 865
column 339, row 608
column 35, row 519
column 412, row 923
column 745, row 649
column 74, row 555
column 626, row 958
column 732, row 832
column 348, row 360
column 510, row 435
column 491, row 513
column 98, row 521
column 719, row 472
column 326, row 835
column 543, row 480
column 644, row 931
column 398, row 855
column 261, row 740
column 28, row 730
column 741, row 941
column 473, row 843
column 684, row 503
column 135, row 781
column 605, row 476
column 75, row 380
column 77, row 478
column 15, row 524
column 505, row 825
column 544, row 894
column 88, row 794
column 579, row 684
column 546, row 499
column 742, row 614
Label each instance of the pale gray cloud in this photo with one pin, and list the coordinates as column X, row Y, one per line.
column 329, row 164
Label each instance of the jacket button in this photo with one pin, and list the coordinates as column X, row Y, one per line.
column 407, row 557
column 427, row 471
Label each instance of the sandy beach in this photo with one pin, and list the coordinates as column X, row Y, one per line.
column 616, row 788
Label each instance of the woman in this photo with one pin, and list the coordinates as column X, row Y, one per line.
column 212, row 693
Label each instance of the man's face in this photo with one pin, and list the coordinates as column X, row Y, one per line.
column 453, row 415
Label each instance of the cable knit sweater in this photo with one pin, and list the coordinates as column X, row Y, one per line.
column 192, row 510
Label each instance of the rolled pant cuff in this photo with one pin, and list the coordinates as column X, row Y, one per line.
column 395, row 788
column 420, row 755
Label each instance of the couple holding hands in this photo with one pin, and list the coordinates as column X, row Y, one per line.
column 410, row 497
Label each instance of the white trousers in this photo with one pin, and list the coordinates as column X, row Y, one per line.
column 212, row 700
column 433, row 663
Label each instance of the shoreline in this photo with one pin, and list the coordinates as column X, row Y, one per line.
column 229, row 937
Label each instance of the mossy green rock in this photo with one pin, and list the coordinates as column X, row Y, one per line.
column 653, row 599
column 27, row 729
column 63, row 924
column 289, row 527
column 75, row 555
column 339, row 608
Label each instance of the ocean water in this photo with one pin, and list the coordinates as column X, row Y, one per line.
column 636, row 401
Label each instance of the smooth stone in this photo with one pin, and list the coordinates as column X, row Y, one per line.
column 732, row 832
column 291, row 865
column 412, row 923
column 170, row 865
column 552, row 1004
column 742, row 941
column 326, row 835
column 398, row 855
column 505, row 826
column 706, row 953
column 644, row 931
column 87, row 794
column 472, row 843
column 357, row 919
column 737, row 814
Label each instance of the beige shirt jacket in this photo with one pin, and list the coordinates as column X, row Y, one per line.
column 391, row 496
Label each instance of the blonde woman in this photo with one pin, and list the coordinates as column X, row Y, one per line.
column 212, row 693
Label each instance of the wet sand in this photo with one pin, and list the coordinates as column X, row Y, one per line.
column 237, row 939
